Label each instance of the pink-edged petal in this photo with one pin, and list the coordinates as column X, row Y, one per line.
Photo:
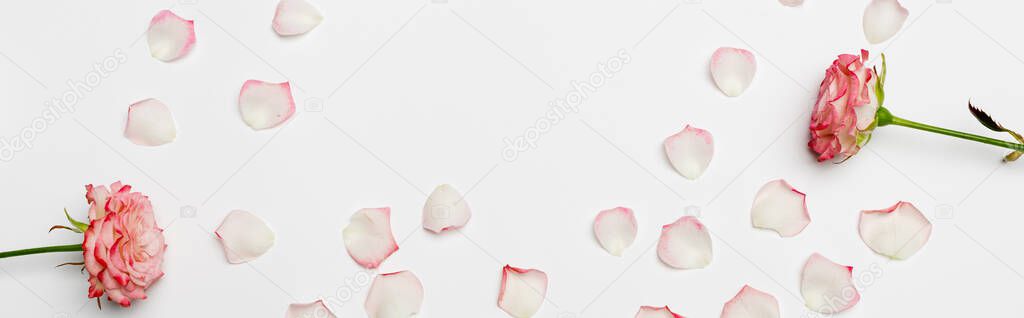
column 690, row 151
column 170, row 37
column 615, row 229
column 751, row 303
column 780, row 208
column 522, row 291
column 445, row 209
column 245, row 236
column 827, row 287
column 394, row 295
column 897, row 232
column 368, row 237
column 656, row 312
column 150, row 123
column 733, row 69
column 685, row 244
column 791, row 3
column 315, row 309
column 295, row 17
column 265, row 105
column 882, row 19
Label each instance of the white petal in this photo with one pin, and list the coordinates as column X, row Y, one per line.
column 780, row 208
column 245, row 236
column 295, row 17
column 751, row 303
column 170, row 37
column 690, row 151
column 368, row 237
column 828, row 287
column 656, row 312
column 522, row 291
column 315, row 309
column 265, row 105
column 615, row 229
column 791, row 3
column 150, row 123
column 897, row 232
column 882, row 19
column 685, row 244
column 445, row 210
column 394, row 295
column 733, row 69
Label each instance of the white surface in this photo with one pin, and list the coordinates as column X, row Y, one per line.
column 430, row 90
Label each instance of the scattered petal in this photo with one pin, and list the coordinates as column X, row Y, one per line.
column 780, row 208
column 897, row 232
column 828, row 287
column 150, row 123
column 294, row 17
column 170, row 37
column 522, row 291
column 685, row 244
column 882, row 19
column 751, row 303
column 656, row 312
column 245, row 236
column 733, row 69
column 445, row 210
column 394, row 295
column 615, row 229
column 265, row 105
column 368, row 237
column 315, row 309
column 792, row 3
column 690, row 151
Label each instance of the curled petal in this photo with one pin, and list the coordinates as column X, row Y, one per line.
column 780, row 208
column 882, row 19
column 445, row 209
column 245, row 236
column 315, row 309
column 394, row 295
column 368, row 237
column 791, row 3
column 522, row 291
column 685, row 244
column 295, row 17
column 656, row 312
column 265, row 105
column 690, row 151
column 150, row 123
column 733, row 69
column 615, row 229
column 828, row 287
column 170, row 37
column 751, row 303
column 897, row 232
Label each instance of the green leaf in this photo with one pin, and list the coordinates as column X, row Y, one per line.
column 986, row 120
column 79, row 225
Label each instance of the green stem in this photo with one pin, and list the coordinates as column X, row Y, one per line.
column 885, row 118
column 39, row 250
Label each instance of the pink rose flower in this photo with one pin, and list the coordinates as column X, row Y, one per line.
column 123, row 247
column 844, row 114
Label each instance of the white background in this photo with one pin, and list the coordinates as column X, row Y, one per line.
column 425, row 93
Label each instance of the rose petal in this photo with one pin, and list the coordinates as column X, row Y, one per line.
column 522, row 291
column 368, row 237
column 245, row 236
column 445, row 209
column 733, row 69
column 394, row 295
column 150, row 123
column 265, row 105
column 295, row 17
column 685, row 244
column 791, row 3
column 751, row 303
column 780, row 208
column 170, row 37
column 656, row 312
column 897, row 232
column 690, row 151
column 882, row 19
column 828, row 287
column 315, row 309
column 615, row 229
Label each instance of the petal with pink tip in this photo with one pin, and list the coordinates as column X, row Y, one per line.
column 445, row 209
column 265, row 105
column 828, row 287
column 150, row 123
column 897, row 232
column 522, row 291
column 656, row 312
column 685, row 244
column 791, row 3
column 294, row 17
column 315, row 309
column 245, row 236
column 690, row 151
column 751, row 303
column 615, row 229
column 882, row 19
column 368, row 237
column 733, row 69
column 780, row 208
column 170, row 37
column 394, row 295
